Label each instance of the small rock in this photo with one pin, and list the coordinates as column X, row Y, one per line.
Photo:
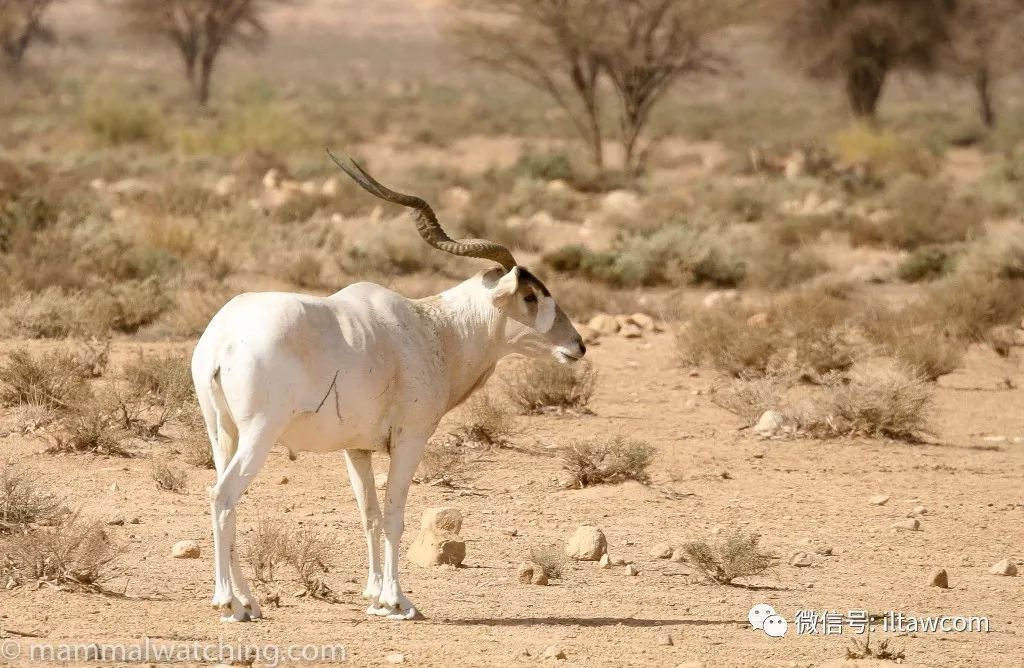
column 770, row 423
column 525, row 573
column 116, row 522
column 665, row 640
column 918, row 510
column 911, row 524
column 603, row 324
column 605, row 562
column 539, row 578
column 587, row 544
column 395, row 658
column 938, row 578
column 800, row 560
column 115, row 487
column 436, row 548
column 643, row 321
column 510, row 531
column 630, row 331
column 283, row 480
column 758, row 320
column 879, row 500
column 631, row 570
column 1004, row 567
column 380, row 481
column 553, row 652
column 825, row 551
column 185, row 549
column 443, row 519
column 690, row 664
column 678, row 556
column 661, row 551
column 721, row 297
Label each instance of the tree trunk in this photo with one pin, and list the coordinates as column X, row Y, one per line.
column 983, row 86
column 863, row 90
column 205, row 73
column 594, row 139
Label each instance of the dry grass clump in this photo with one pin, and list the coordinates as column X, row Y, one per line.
column 968, row 305
column 55, row 379
column 774, row 267
column 443, row 462
column 87, row 429
column 925, row 213
column 197, row 449
column 864, row 650
column 487, row 423
column 736, row 556
column 540, row 386
column 22, row 502
column 169, row 478
column 551, row 559
column 925, row 264
column 884, row 399
column 166, row 380
column 606, row 461
column 883, row 152
column 309, row 554
column 72, row 553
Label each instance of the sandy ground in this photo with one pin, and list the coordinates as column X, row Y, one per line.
column 708, row 477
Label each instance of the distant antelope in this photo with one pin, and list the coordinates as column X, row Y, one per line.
column 363, row 370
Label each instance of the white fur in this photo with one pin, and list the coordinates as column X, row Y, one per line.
column 362, row 370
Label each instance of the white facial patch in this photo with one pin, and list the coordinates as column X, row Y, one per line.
column 545, row 314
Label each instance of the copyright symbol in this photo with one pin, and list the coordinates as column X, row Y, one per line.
column 10, row 650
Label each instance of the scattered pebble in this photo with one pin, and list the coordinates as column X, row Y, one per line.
column 395, row 658
column 539, row 578
column 510, row 531
column 879, row 500
column 800, row 560
column 678, row 556
column 938, row 578
column 553, row 652
column 631, row 570
column 1004, row 567
column 185, row 549
column 911, row 524
column 770, row 423
column 283, row 480
column 525, row 573
column 665, row 640
column 825, row 551
column 605, row 562
column 661, row 551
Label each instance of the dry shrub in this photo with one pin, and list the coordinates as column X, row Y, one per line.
column 169, row 478
column 55, row 379
column 999, row 254
column 89, row 428
column 749, row 396
column 583, row 299
column 864, row 650
column 539, row 386
column 723, row 337
column 166, row 380
column 924, row 213
column 774, row 267
column 309, row 554
column 197, row 449
column 736, row 556
column 606, row 461
column 922, row 346
column 193, row 309
column 487, row 424
column 443, row 462
column 883, row 399
column 925, row 264
column 71, row 553
column 22, row 502
column 551, row 559
column 968, row 305
column 883, row 152
column 264, row 548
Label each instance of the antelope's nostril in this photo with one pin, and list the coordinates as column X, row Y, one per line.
column 583, row 349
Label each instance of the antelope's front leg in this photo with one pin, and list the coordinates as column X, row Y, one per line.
column 405, row 457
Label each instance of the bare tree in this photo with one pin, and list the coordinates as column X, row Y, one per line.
column 986, row 45
column 863, row 41
column 21, row 23
column 549, row 45
column 200, row 29
column 647, row 46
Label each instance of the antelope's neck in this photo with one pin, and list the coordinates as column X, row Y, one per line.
column 470, row 335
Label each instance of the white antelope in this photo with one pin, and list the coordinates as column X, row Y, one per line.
column 363, row 370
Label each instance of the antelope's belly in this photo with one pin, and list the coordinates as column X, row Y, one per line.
column 325, row 431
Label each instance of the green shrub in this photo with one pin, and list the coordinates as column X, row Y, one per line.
column 115, row 119
column 544, row 166
column 925, row 264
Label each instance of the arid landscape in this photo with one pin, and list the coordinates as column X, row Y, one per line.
column 804, row 322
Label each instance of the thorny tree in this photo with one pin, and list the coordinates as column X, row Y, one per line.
column 21, row 23
column 200, row 29
column 566, row 47
column 863, row 41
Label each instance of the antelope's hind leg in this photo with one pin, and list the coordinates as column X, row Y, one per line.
column 360, row 475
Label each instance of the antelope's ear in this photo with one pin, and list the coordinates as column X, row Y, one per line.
column 505, row 287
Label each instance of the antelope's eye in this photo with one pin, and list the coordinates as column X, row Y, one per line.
column 530, row 298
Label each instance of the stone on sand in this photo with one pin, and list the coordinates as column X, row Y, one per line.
column 587, row 544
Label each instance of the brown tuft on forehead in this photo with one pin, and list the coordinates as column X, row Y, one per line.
column 526, row 277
